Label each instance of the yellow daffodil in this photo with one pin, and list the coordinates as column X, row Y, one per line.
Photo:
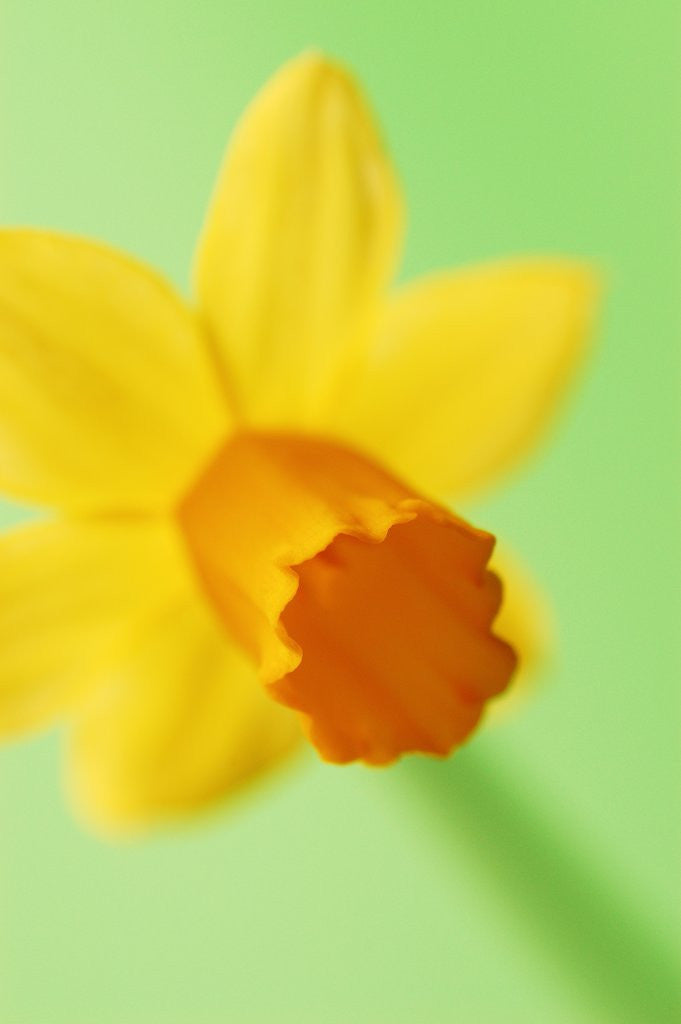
column 244, row 545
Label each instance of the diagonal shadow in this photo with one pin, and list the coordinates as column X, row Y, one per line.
column 592, row 928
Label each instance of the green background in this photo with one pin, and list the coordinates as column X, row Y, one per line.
column 532, row 878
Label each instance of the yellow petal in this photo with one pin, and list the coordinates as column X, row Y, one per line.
column 299, row 242
column 526, row 622
column 468, row 369
column 365, row 607
column 106, row 396
column 181, row 722
column 72, row 596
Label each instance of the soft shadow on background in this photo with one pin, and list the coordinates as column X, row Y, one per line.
column 585, row 923
column 433, row 893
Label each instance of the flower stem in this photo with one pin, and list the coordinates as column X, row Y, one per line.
column 572, row 905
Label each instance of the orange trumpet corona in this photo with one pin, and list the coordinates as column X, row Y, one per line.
column 365, row 607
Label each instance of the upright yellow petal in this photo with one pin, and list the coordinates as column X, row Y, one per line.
column 468, row 369
column 73, row 596
column 299, row 242
column 107, row 399
column 180, row 723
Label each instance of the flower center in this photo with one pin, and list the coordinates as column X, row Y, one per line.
column 365, row 607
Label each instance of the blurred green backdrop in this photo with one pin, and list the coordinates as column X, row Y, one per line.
column 430, row 894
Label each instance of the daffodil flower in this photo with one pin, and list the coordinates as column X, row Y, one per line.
column 244, row 543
